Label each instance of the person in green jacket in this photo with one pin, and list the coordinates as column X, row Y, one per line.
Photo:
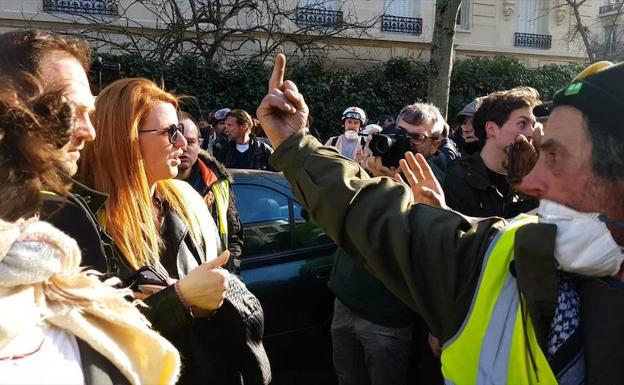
column 524, row 301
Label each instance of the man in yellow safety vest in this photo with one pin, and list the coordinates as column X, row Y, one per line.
column 533, row 300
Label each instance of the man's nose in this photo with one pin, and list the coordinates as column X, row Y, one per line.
column 84, row 128
column 534, row 184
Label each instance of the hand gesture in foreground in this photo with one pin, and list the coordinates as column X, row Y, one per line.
column 205, row 286
column 425, row 187
column 522, row 155
column 283, row 110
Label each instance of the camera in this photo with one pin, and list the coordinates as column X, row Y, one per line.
column 390, row 147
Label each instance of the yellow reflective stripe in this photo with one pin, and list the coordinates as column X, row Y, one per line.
column 461, row 357
column 46, row 192
column 456, row 363
column 221, row 191
column 521, row 370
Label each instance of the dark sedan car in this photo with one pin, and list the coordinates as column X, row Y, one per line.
column 286, row 263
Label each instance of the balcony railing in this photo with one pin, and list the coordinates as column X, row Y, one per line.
column 613, row 7
column 410, row 25
column 532, row 40
column 82, row 7
column 316, row 17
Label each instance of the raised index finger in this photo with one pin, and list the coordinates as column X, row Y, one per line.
column 277, row 77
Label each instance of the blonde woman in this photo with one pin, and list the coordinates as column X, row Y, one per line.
column 158, row 221
column 59, row 324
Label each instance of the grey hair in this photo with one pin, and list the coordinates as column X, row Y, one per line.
column 419, row 113
column 607, row 150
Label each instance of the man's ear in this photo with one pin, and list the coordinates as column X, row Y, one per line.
column 491, row 129
column 436, row 144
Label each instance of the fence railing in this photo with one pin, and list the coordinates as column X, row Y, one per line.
column 532, row 40
column 410, row 25
column 306, row 16
column 82, row 7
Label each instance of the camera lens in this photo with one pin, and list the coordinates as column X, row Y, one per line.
column 381, row 145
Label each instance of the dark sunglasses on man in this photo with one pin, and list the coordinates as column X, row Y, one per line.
column 416, row 138
column 172, row 131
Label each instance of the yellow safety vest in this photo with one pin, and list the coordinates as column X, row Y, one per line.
column 221, row 191
column 496, row 343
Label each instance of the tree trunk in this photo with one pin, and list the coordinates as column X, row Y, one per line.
column 582, row 30
column 441, row 61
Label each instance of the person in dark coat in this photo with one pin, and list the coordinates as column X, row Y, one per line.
column 476, row 184
column 212, row 181
column 243, row 150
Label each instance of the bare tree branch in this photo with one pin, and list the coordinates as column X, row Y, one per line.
column 217, row 30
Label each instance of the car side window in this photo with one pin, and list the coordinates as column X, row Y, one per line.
column 307, row 233
column 265, row 217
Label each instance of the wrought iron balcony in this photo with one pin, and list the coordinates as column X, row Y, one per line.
column 612, row 7
column 411, row 25
column 317, row 17
column 532, row 40
column 82, row 7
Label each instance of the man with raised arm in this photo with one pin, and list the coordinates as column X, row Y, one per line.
column 532, row 300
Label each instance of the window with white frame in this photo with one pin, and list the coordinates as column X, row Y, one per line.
column 610, row 34
column 320, row 4
column 533, row 17
column 403, row 8
column 463, row 17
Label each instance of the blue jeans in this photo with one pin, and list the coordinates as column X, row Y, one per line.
column 366, row 353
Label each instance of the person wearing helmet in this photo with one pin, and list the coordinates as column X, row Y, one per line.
column 464, row 134
column 353, row 119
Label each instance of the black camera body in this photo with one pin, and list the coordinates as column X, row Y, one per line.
column 390, row 147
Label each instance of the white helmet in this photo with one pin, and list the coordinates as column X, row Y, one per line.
column 355, row 113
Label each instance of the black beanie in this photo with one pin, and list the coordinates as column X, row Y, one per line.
column 600, row 96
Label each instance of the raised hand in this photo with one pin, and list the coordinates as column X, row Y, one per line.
column 283, row 110
column 425, row 187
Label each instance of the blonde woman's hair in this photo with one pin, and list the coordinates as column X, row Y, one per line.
column 113, row 164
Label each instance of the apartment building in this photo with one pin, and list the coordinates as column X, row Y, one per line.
column 537, row 32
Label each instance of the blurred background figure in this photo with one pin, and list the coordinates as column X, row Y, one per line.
column 243, row 150
column 464, row 134
column 350, row 143
column 213, row 182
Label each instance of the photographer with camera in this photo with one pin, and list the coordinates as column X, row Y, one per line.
column 420, row 129
column 372, row 330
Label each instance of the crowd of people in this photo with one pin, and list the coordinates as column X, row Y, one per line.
column 497, row 236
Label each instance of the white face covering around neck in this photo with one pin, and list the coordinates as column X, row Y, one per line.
column 584, row 245
column 351, row 135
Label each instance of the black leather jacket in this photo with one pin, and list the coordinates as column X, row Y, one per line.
column 468, row 189
column 258, row 156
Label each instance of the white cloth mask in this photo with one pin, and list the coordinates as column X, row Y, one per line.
column 351, row 135
column 584, row 244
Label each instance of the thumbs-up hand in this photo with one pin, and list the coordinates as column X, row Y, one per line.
column 205, row 286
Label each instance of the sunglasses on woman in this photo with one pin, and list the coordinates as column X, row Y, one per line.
column 172, row 131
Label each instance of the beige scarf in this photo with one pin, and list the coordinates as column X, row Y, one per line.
column 41, row 282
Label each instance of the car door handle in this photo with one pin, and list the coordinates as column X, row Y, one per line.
column 321, row 272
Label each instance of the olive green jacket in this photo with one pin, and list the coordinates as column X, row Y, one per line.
column 431, row 258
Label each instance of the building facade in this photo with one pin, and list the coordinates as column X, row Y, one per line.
column 537, row 32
